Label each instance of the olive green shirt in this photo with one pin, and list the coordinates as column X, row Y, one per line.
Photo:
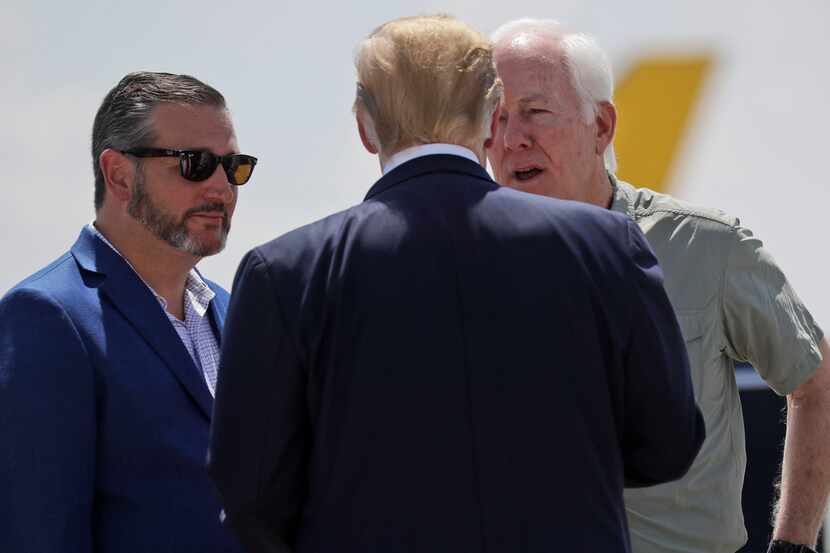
column 733, row 303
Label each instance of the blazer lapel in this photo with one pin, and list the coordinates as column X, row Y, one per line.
column 216, row 312
column 134, row 300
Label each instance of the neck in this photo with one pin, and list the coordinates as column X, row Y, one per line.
column 602, row 192
column 480, row 154
column 161, row 266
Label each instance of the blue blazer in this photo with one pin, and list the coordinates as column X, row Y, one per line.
column 449, row 367
column 104, row 417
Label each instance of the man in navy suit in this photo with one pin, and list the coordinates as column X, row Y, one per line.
column 109, row 355
column 448, row 366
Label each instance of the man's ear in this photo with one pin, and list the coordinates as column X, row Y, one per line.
column 119, row 173
column 606, row 120
column 367, row 137
column 494, row 122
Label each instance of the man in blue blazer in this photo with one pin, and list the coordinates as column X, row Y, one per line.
column 449, row 366
column 109, row 355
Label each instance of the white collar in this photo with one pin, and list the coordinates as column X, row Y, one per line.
column 409, row 154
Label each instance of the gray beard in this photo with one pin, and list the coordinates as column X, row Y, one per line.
column 165, row 226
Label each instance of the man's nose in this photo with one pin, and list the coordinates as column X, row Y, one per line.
column 515, row 135
column 218, row 187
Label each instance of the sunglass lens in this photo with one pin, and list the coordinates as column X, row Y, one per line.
column 240, row 169
column 199, row 166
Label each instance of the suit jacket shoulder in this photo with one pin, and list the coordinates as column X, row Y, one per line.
column 104, row 412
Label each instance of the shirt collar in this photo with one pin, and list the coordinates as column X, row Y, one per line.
column 408, row 154
column 622, row 201
column 197, row 291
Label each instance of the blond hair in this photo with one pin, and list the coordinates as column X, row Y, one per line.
column 422, row 80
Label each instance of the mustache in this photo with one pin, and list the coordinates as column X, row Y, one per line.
column 207, row 208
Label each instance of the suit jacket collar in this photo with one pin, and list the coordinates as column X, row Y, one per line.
column 217, row 315
column 437, row 163
column 131, row 297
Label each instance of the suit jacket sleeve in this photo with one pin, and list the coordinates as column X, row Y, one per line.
column 260, row 433
column 663, row 427
column 47, row 428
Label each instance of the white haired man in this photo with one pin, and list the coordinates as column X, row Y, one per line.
column 555, row 138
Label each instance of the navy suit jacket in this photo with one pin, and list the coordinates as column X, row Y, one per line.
column 104, row 417
column 448, row 367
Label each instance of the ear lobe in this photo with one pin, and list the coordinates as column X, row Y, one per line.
column 606, row 120
column 119, row 174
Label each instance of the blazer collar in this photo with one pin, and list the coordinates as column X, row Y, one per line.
column 436, row 163
column 131, row 297
column 216, row 311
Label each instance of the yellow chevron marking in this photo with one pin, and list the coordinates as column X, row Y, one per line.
column 654, row 103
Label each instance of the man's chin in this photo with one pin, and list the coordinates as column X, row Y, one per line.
column 203, row 246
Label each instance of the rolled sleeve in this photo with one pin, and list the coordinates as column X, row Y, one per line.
column 765, row 322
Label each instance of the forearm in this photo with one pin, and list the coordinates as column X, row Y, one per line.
column 805, row 471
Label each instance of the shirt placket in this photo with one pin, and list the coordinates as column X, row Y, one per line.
column 193, row 322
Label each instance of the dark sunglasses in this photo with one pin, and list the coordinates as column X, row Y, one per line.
column 199, row 165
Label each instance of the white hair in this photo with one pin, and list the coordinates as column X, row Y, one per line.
column 586, row 63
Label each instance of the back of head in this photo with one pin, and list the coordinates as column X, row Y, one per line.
column 423, row 80
column 124, row 120
column 584, row 60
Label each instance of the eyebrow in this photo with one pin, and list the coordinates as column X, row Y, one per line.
column 533, row 98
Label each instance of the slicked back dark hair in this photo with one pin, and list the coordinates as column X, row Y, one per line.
column 124, row 119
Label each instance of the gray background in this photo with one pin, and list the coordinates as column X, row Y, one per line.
column 756, row 146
